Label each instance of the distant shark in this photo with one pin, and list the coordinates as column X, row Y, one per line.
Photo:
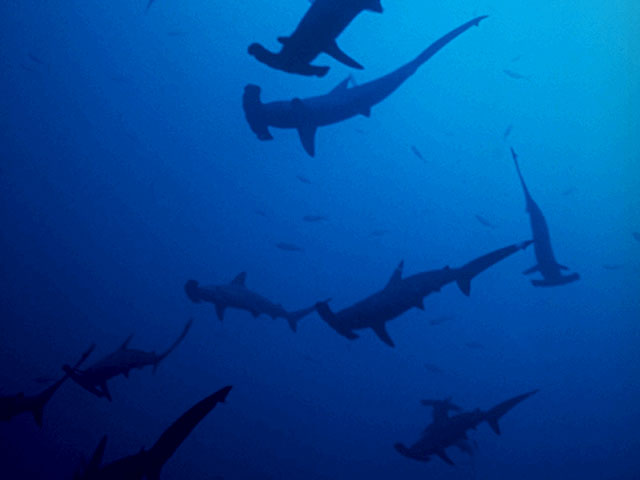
column 402, row 294
column 306, row 115
column 237, row 295
column 121, row 362
column 447, row 431
column 147, row 464
column 13, row 405
column 315, row 34
column 547, row 265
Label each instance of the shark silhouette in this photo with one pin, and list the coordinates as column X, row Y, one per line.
column 402, row 294
column 147, row 464
column 121, row 362
column 315, row 34
column 13, row 405
column 308, row 114
column 547, row 264
column 446, row 431
column 237, row 295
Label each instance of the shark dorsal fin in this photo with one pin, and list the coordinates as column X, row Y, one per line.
column 382, row 333
column 342, row 86
column 306, row 127
column 239, row 279
column 396, row 276
column 125, row 344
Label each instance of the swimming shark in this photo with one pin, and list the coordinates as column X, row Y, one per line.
column 446, row 431
column 237, row 295
column 147, row 464
column 121, row 362
column 13, row 405
column 315, row 34
column 402, row 294
column 306, row 115
column 547, row 264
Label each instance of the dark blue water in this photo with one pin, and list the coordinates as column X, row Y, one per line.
column 127, row 167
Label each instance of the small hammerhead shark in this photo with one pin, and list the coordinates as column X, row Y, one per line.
column 547, row 264
column 446, row 431
column 402, row 294
column 306, row 115
column 121, row 362
column 315, row 34
column 237, row 295
column 147, row 464
column 13, row 405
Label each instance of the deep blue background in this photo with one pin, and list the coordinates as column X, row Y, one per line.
column 126, row 167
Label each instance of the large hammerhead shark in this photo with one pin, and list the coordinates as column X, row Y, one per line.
column 315, row 34
column 121, row 362
column 237, row 295
column 447, row 431
column 402, row 294
column 13, row 405
column 547, row 264
column 306, row 115
column 147, row 464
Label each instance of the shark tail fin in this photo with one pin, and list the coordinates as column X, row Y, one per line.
column 294, row 317
column 173, row 437
column 41, row 400
column 494, row 414
column 173, row 346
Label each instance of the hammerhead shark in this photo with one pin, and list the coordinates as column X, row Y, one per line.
column 306, row 115
column 315, row 34
column 446, row 431
column 402, row 294
column 237, row 295
column 121, row 362
column 547, row 264
column 147, row 464
column 13, row 405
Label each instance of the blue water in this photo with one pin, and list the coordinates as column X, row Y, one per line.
column 127, row 167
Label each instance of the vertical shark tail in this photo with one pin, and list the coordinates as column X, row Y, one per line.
column 494, row 414
column 294, row 317
column 173, row 346
column 173, row 437
column 467, row 272
column 191, row 288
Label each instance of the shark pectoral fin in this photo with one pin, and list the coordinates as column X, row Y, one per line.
column 374, row 6
column 443, row 455
column 220, row 311
column 531, row 270
column 306, row 128
column 382, row 334
column 396, row 276
column 333, row 50
column 239, row 279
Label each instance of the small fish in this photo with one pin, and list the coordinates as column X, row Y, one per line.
column 417, row 153
column 303, row 179
column 507, row 131
column 440, row 320
column 35, row 59
column 636, row 235
column 485, row 222
column 378, row 233
column 289, row 247
column 315, row 218
column 568, row 191
column 474, row 345
column 433, row 368
column 27, row 68
column 516, row 58
column 360, row 131
column 262, row 213
column 515, row 75
column 609, row 266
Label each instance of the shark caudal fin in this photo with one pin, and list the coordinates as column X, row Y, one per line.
column 192, row 291
column 330, row 318
column 173, row 346
column 173, row 437
column 467, row 272
column 494, row 414
column 294, row 317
